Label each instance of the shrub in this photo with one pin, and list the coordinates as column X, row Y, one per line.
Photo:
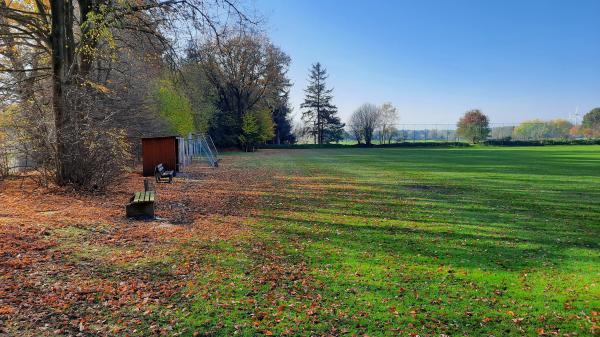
column 103, row 157
column 96, row 154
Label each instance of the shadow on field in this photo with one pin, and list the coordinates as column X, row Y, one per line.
column 538, row 161
column 453, row 248
column 476, row 210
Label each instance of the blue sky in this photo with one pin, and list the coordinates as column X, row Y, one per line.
column 515, row 60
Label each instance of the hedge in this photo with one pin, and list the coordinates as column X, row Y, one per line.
column 338, row 146
column 542, row 142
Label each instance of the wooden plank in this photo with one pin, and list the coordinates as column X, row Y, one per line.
column 143, row 197
column 156, row 151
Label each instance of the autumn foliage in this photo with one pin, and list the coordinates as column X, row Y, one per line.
column 73, row 264
column 474, row 126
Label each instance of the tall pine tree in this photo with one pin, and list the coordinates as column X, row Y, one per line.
column 320, row 115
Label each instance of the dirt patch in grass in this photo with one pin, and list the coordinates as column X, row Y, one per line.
column 72, row 264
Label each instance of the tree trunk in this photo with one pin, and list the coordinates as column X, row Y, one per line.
column 62, row 60
column 318, row 138
column 89, row 40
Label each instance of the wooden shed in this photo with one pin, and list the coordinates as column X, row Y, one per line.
column 159, row 150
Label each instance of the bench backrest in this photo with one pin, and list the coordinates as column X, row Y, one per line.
column 159, row 168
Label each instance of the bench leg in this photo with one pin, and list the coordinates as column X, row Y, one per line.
column 140, row 210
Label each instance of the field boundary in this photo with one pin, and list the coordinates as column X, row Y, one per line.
column 435, row 144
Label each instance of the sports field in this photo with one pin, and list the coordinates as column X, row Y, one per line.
column 478, row 241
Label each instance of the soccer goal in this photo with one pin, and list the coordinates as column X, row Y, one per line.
column 202, row 147
column 208, row 149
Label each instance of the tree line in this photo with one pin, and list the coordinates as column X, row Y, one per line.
column 474, row 126
column 82, row 80
column 369, row 122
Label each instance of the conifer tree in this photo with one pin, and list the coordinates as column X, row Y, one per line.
column 320, row 115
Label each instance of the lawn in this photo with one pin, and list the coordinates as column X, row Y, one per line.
column 478, row 241
column 342, row 242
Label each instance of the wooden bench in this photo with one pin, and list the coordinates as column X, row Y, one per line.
column 141, row 205
column 161, row 173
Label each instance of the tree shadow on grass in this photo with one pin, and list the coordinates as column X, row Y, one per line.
column 479, row 204
column 456, row 248
column 501, row 221
column 534, row 162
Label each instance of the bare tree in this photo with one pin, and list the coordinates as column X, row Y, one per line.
column 355, row 127
column 389, row 117
column 364, row 121
column 392, row 133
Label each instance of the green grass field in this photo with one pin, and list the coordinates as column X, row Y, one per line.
column 466, row 241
